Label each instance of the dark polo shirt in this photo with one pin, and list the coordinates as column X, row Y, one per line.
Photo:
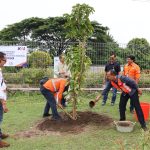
column 115, row 66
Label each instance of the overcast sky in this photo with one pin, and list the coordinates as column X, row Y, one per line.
column 126, row 19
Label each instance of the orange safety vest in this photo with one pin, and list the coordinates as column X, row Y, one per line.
column 56, row 86
column 132, row 71
column 121, row 86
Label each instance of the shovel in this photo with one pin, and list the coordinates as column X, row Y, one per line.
column 93, row 102
column 65, row 112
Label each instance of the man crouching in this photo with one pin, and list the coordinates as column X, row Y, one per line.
column 129, row 90
column 53, row 90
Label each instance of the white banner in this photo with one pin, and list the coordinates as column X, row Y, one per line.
column 16, row 55
column 56, row 62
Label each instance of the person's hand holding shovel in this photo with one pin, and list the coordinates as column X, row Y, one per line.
column 59, row 105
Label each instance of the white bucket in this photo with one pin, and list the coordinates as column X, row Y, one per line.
column 124, row 126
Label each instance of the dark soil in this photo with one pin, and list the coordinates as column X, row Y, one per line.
column 124, row 124
column 27, row 134
column 75, row 126
column 47, row 126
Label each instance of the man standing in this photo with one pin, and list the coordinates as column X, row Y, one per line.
column 62, row 71
column 113, row 64
column 130, row 90
column 3, row 97
column 132, row 70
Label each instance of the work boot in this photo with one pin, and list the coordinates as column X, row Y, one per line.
column 56, row 118
column 112, row 103
column 145, row 128
column 46, row 115
column 4, row 136
column 103, row 103
column 132, row 111
column 4, row 144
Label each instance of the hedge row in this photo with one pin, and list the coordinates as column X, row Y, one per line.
column 29, row 76
column 95, row 80
column 32, row 76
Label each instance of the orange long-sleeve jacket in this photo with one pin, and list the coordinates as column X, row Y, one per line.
column 132, row 71
column 56, row 86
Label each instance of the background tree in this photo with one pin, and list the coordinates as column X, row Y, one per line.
column 100, row 43
column 21, row 31
column 39, row 59
column 139, row 44
column 79, row 28
column 100, row 33
column 53, row 34
column 49, row 34
column 140, row 48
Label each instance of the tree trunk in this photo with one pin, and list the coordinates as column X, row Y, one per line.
column 74, row 112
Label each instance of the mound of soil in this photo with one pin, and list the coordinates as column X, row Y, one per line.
column 27, row 134
column 47, row 126
column 75, row 126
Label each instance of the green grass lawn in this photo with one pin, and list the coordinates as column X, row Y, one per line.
column 26, row 108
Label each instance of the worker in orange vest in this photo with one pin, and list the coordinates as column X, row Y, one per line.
column 53, row 90
column 132, row 70
column 130, row 90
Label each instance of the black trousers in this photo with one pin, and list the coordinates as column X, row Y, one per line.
column 135, row 101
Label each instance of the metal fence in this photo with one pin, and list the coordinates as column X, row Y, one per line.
column 99, row 54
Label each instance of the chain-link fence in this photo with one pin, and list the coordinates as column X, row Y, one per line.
column 98, row 52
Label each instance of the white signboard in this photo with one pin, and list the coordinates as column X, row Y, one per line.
column 56, row 62
column 16, row 55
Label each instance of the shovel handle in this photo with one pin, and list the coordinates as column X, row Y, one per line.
column 66, row 112
column 98, row 98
